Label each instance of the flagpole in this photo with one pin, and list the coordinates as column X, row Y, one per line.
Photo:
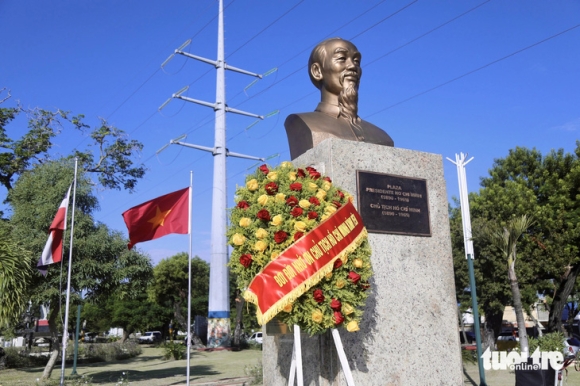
column 189, row 277
column 65, row 326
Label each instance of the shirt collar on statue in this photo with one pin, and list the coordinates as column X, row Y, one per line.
column 328, row 109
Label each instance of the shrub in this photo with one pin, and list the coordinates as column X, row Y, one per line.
column 174, row 350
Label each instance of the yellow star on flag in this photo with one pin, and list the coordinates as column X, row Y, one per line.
column 159, row 217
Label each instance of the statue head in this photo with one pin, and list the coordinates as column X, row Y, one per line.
column 334, row 68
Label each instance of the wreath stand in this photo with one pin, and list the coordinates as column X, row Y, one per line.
column 296, row 364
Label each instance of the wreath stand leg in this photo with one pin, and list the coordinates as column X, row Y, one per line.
column 342, row 357
column 296, row 365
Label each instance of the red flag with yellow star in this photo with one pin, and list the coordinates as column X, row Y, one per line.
column 158, row 217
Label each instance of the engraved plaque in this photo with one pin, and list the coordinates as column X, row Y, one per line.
column 393, row 204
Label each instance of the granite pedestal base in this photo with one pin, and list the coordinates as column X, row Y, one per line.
column 408, row 335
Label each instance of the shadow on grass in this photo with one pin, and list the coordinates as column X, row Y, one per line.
column 106, row 376
column 471, row 380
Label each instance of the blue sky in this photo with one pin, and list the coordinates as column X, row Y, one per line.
column 102, row 59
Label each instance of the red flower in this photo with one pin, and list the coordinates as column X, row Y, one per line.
column 327, row 179
column 335, row 304
column 271, row 188
column 246, row 260
column 314, row 174
column 314, row 201
column 318, row 295
column 340, row 194
column 280, row 236
column 300, row 173
column 297, row 186
column 291, row 201
column 297, row 235
column 264, row 169
column 338, row 318
column 353, row 277
column 365, row 286
column 312, row 215
column 243, row 205
column 297, row 211
column 337, row 204
column 263, row 215
column 337, row 263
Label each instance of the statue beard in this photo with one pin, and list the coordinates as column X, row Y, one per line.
column 348, row 103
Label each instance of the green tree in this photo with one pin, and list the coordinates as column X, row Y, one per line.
column 138, row 314
column 109, row 156
column 101, row 261
column 505, row 238
column 171, row 282
column 14, row 275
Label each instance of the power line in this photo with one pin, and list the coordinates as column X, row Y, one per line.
column 475, row 70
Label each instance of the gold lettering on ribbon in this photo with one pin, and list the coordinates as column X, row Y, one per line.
column 289, row 272
column 336, row 233
column 299, row 265
column 280, row 279
column 308, row 257
column 316, row 252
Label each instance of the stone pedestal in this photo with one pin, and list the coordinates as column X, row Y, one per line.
column 408, row 334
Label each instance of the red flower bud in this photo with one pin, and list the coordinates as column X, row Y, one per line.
column 335, row 304
column 353, row 277
column 297, row 186
column 264, row 169
column 340, row 194
column 337, row 204
column 297, row 235
column 300, row 173
column 271, row 188
column 263, row 215
column 296, row 211
column 280, row 237
column 337, row 263
column 338, row 318
column 246, row 260
column 243, row 205
column 291, row 201
column 312, row 215
column 314, row 200
column 327, row 179
column 318, row 295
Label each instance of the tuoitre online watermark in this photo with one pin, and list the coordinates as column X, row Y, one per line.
column 541, row 360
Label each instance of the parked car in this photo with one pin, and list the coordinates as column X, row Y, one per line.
column 150, row 337
column 256, row 337
column 571, row 347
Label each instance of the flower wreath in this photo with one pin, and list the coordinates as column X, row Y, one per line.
column 276, row 208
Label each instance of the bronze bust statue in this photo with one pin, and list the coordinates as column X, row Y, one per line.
column 334, row 68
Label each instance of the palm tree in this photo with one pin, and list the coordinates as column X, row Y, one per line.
column 14, row 274
column 506, row 238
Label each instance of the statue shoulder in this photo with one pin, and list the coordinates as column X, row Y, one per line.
column 375, row 134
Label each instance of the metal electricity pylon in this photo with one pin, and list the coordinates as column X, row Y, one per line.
column 460, row 162
column 219, row 305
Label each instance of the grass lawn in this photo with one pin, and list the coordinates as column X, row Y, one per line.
column 150, row 369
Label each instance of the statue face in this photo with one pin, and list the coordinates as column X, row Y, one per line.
column 341, row 66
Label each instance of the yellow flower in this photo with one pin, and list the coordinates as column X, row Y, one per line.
column 261, row 233
column 312, row 186
column 347, row 309
column 324, row 217
column 328, row 275
column 274, row 255
column 252, row 185
column 304, row 204
column 330, row 209
column 286, row 164
column 321, row 194
column 326, row 185
column 238, row 239
column 244, row 222
column 280, row 197
column 292, row 176
column 340, row 283
column 300, row 226
column 288, row 307
column 263, row 199
column 260, row 246
column 277, row 220
column 272, row 176
column 317, row 316
column 358, row 263
column 352, row 326
column 344, row 258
